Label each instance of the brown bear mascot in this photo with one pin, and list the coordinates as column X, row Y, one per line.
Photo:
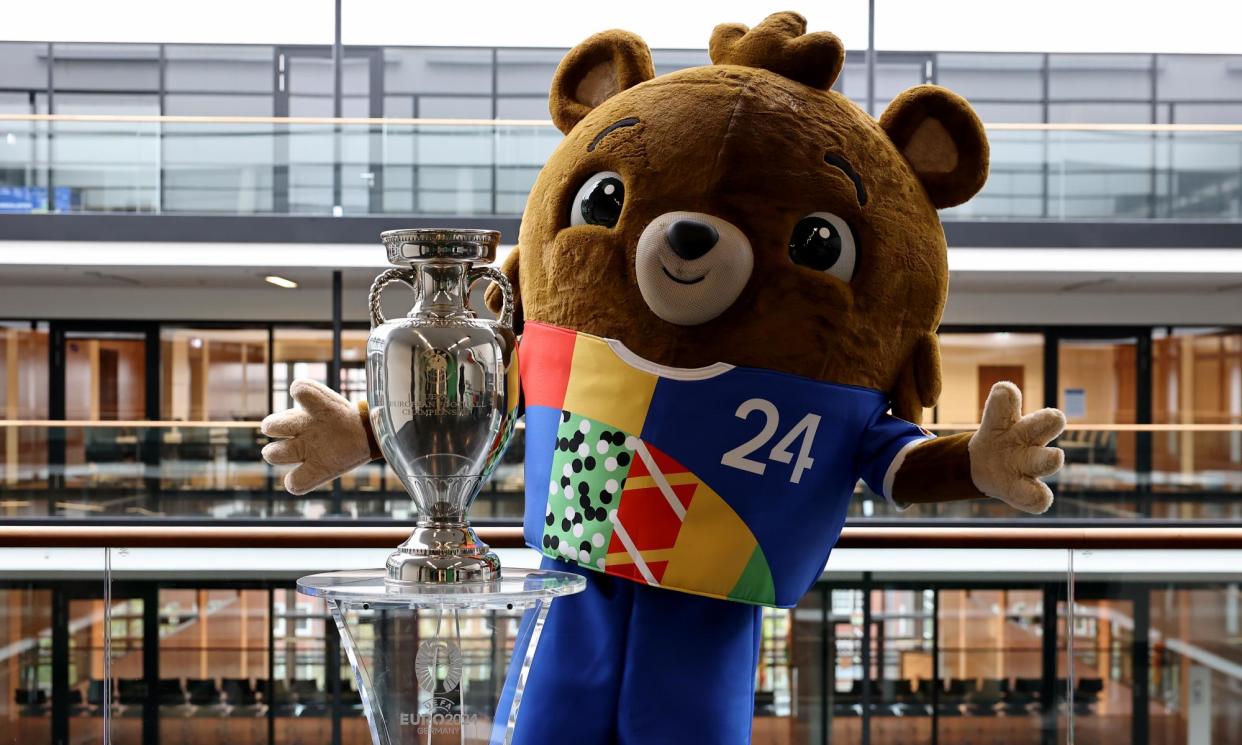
column 729, row 281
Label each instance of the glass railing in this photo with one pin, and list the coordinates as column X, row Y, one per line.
column 1111, row 172
column 214, row 471
column 307, row 166
column 171, row 640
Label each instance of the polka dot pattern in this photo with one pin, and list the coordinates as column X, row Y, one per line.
column 589, row 468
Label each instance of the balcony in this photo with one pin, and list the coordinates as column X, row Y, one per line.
column 188, row 167
column 1025, row 635
column 212, row 472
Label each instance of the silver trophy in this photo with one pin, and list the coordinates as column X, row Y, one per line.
column 443, row 388
column 442, row 385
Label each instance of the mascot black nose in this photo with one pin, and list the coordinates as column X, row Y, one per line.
column 690, row 239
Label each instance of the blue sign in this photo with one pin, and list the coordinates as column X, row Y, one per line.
column 27, row 199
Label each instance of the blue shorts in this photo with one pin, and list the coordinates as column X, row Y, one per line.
column 625, row 663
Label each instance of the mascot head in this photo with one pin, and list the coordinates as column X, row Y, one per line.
column 744, row 212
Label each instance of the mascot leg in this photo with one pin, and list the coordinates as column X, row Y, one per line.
column 689, row 670
column 625, row 663
column 575, row 679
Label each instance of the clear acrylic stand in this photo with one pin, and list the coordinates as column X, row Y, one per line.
column 431, row 660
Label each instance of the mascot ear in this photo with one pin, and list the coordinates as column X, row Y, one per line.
column 594, row 71
column 942, row 140
column 918, row 384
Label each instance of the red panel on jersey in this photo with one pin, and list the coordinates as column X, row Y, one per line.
column 545, row 376
column 649, row 519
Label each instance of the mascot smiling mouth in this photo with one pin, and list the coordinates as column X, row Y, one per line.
column 671, row 276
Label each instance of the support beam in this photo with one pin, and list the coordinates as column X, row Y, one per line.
column 150, row 596
column 334, row 368
column 334, row 377
column 1141, row 665
column 866, row 659
column 1143, row 441
column 12, row 452
column 338, row 83
column 1048, row 667
column 60, row 667
column 871, row 57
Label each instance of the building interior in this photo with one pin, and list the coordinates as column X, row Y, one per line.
column 186, row 228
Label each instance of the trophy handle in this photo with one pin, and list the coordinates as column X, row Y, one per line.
column 377, row 289
column 506, row 290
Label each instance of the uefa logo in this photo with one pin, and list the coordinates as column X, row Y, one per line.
column 438, row 662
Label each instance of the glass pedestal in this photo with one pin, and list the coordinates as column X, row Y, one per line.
column 431, row 661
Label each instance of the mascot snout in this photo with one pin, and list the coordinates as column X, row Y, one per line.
column 691, row 266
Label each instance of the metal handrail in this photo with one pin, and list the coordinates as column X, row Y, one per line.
column 465, row 122
column 114, row 423
column 318, row 536
column 940, row 427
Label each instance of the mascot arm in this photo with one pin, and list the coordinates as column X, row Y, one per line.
column 1004, row 459
column 326, row 437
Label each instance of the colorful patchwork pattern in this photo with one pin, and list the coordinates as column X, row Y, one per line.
column 588, row 474
column 723, row 481
column 650, row 517
column 673, row 530
column 619, row 505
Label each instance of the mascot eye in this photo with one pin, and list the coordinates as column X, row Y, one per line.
column 599, row 201
column 823, row 241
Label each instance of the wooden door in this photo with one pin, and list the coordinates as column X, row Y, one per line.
column 990, row 375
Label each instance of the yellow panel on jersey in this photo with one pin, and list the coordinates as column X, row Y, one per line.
column 604, row 388
column 712, row 548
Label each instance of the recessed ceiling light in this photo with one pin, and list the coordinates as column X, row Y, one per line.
column 288, row 284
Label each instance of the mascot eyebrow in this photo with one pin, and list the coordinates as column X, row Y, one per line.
column 627, row 122
column 841, row 163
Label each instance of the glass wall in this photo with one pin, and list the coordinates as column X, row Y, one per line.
column 258, row 166
column 1194, row 683
column 213, row 374
column 1098, row 384
column 94, row 632
column 945, row 659
column 211, row 385
column 972, row 362
column 1197, row 379
column 213, row 648
column 512, row 83
column 298, row 689
column 23, row 396
column 25, row 665
column 901, row 658
column 484, row 167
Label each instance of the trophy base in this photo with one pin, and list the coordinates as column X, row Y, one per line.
column 442, row 554
column 415, row 650
column 412, row 569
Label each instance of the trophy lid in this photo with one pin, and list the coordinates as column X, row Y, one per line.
column 414, row 245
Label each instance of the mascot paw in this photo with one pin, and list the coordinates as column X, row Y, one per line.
column 1008, row 455
column 326, row 437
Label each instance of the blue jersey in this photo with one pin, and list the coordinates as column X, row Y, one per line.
column 722, row 481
